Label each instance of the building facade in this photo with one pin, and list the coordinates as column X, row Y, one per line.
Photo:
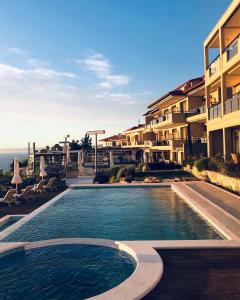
column 202, row 115
column 222, row 83
column 176, row 123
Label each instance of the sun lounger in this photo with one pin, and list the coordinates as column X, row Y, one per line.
column 9, row 198
column 38, row 188
column 51, row 185
column 26, row 193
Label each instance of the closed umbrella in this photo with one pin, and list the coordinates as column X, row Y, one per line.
column 16, row 174
column 80, row 161
column 68, row 155
column 145, row 159
column 111, row 159
column 64, row 150
column 43, row 172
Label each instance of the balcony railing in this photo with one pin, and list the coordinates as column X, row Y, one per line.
column 196, row 111
column 213, row 66
column 161, row 143
column 160, row 119
column 232, row 104
column 174, row 117
column 215, row 111
column 233, row 48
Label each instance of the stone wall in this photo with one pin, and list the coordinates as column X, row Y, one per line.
column 230, row 183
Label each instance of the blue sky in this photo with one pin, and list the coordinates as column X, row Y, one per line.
column 67, row 66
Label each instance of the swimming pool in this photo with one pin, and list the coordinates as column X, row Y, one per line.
column 63, row 272
column 135, row 213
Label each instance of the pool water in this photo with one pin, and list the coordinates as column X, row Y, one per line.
column 63, row 272
column 117, row 214
column 12, row 220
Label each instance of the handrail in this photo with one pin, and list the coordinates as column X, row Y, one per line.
column 214, row 60
column 232, row 42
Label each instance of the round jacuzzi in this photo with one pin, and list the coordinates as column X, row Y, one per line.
column 63, row 271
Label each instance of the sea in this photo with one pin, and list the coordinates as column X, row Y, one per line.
column 7, row 158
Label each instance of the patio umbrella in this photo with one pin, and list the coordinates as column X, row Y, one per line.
column 145, row 157
column 43, row 173
column 16, row 174
column 64, row 161
column 68, row 155
column 111, row 159
column 133, row 155
column 80, row 160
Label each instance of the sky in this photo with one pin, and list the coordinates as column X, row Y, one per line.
column 68, row 66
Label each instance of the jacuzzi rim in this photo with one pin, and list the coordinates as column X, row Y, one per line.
column 147, row 273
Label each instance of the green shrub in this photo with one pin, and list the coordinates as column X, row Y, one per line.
column 216, row 163
column 201, row 164
column 127, row 173
column 102, row 176
column 114, row 170
column 112, row 179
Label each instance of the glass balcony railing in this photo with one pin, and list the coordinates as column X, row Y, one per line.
column 215, row 111
column 161, row 143
column 213, row 67
column 233, row 48
column 196, row 111
column 232, row 104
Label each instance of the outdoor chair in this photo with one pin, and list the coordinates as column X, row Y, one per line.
column 9, row 198
column 38, row 188
column 26, row 193
column 51, row 185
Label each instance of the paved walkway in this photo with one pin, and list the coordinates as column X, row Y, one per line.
column 222, row 198
column 208, row 201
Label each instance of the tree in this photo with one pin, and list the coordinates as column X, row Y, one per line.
column 57, row 147
column 74, row 145
column 86, row 142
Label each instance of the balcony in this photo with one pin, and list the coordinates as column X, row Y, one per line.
column 233, row 48
column 168, row 119
column 214, row 67
column 161, row 143
column 197, row 111
column 232, row 104
column 215, row 111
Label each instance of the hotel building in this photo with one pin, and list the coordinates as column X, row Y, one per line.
column 202, row 115
column 222, row 82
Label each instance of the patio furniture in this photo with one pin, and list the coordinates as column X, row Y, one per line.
column 26, row 193
column 9, row 198
column 38, row 188
column 51, row 185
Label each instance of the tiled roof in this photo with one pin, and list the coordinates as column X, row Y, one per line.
column 115, row 137
column 181, row 90
column 135, row 127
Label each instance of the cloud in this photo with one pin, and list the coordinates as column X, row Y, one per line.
column 18, row 51
column 103, row 70
column 36, row 62
column 10, row 72
column 42, row 104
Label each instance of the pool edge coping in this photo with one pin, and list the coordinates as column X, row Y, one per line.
column 28, row 217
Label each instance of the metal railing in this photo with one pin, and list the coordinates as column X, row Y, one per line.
column 161, row 143
column 215, row 111
column 232, row 104
column 232, row 49
column 196, row 111
column 212, row 67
